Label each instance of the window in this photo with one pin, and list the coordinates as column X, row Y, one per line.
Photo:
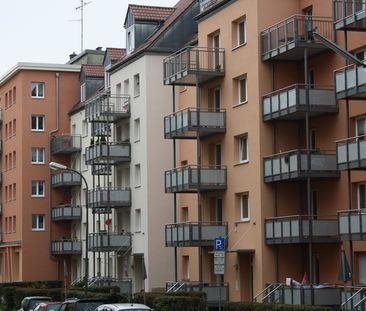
column 361, row 55
column 361, row 189
column 14, row 224
column 14, row 126
column 38, row 188
column 14, row 95
column 136, row 79
column 130, row 40
column 138, row 219
column 361, row 126
column 38, row 223
column 137, row 130
column 37, row 90
column 126, row 86
column 37, row 123
column 14, row 191
column 14, row 159
column 6, row 131
column 83, row 92
column 241, row 32
column 137, row 175
column 244, row 207
column 243, row 149
column 242, row 90
column 37, row 155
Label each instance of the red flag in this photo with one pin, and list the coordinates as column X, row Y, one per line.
column 305, row 279
column 108, row 222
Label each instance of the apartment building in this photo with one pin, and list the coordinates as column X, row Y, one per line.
column 255, row 126
column 34, row 99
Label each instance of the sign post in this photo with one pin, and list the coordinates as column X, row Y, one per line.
column 219, row 262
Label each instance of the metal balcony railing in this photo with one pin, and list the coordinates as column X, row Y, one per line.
column 108, row 153
column 293, row 165
column 104, row 199
column 352, row 224
column 109, row 242
column 192, row 65
column 107, row 108
column 318, row 295
column 101, row 129
column 281, row 40
column 192, row 178
column 103, row 169
column 194, row 233
column 213, row 290
column 353, row 298
column 350, row 82
column 65, row 179
column 351, row 153
column 290, row 103
column 349, row 14
column 66, row 247
column 66, row 144
column 190, row 122
column 66, row 212
column 300, row 229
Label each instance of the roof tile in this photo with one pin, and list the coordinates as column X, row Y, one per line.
column 96, row 71
column 150, row 13
column 116, row 53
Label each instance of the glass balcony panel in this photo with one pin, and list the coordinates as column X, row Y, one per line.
column 66, row 144
column 106, row 198
column 109, row 242
column 108, row 153
column 349, row 14
column 65, row 179
column 66, row 247
column 355, row 85
column 66, row 212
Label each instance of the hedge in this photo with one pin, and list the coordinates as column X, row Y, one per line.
column 180, row 303
column 242, row 306
column 37, row 284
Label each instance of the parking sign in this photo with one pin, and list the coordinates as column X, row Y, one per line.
column 219, row 244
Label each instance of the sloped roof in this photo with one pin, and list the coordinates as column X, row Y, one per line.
column 150, row 13
column 116, row 53
column 96, row 71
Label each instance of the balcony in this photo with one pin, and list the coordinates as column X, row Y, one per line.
column 66, row 247
column 193, row 234
column 192, row 178
column 66, row 212
column 108, row 153
column 317, row 295
column 300, row 229
column 191, row 122
column 213, row 290
column 351, row 153
column 65, row 179
column 290, row 103
column 102, row 200
column 66, row 144
column 349, row 15
column 107, row 108
column 109, row 242
column 192, row 65
column 101, row 170
column 293, row 166
column 352, row 225
column 350, row 82
column 287, row 39
column 101, row 129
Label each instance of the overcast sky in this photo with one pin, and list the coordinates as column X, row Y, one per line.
column 46, row 31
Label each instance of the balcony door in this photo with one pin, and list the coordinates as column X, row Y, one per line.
column 218, row 155
column 216, row 46
column 219, row 215
column 217, row 99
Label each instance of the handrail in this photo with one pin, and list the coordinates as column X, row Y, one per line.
column 358, row 303
column 223, row 223
column 304, row 85
column 180, row 286
column 272, row 291
column 299, row 151
column 195, row 109
column 318, row 217
column 264, row 290
column 350, row 298
column 350, row 138
column 172, row 287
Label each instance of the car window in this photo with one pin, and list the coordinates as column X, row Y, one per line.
column 34, row 303
column 63, row 307
column 53, row 307
column 88, row 305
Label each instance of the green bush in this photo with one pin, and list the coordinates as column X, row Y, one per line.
column 149, row 297
column 180, row 303
column 242, row 306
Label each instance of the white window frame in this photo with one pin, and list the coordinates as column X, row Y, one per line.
column 36, row 85
column 38, row 193
column 244, row 78
column 242, row 195
column 38, row 227
column 39, row 155
column 238, row 23
column 38, row 117
column 83, row 92
column 240, row 140
column 136, row 85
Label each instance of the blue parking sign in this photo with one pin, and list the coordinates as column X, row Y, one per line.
column 219, row 244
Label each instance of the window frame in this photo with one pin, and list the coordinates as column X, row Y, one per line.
column 37, row 84
column 240, row 139
column 37, row 194
column 242, row 21
column 246, row 195
column 240, row 79
column 37, row 150
column 136, row 85
column 37, row 223
column 38, row 123
column 362, row 184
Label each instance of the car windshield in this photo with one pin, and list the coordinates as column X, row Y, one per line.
column 34, row 303
column 54, row 307
column 88, row 305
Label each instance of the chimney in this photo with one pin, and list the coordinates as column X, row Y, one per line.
column 99, row 48
column 72, row 55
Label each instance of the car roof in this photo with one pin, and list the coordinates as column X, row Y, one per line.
column 122, row 306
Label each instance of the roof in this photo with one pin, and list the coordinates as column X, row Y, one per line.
column 83, row 53
column 125, row 306
column 116, row 53
column 150, row 13
column 96, row 71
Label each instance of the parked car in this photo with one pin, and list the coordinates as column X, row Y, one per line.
column 48, row 306
column 31, row 302
column 123, row 307
column 85, row 304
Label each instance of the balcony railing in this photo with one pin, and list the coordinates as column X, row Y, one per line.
column 65, row 179
column 107, row 108
column 66, row 212
column 290, row 103
column 193, row 234
column 103, row 169
column 102, row 200
column 213, row 290
column 66, row 144
column 349, row 14
column 108, row 153
column 101, row 129
column 293, row 165
column 300, row 229
column 192, row 65
column 192, row 178
column 191, row 122
column 317, row 295
column 109, row 242
column 353, row 298
column 350, row 82
column 351, row 153
column 282, row 40
column 66, row 247
column 352, row 224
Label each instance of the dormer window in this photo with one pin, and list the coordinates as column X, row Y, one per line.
column 83, row 92
column 130, row 40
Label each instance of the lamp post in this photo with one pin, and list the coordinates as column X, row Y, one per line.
column 59, row 166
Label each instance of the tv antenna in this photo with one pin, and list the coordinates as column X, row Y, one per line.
column 81, row 20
